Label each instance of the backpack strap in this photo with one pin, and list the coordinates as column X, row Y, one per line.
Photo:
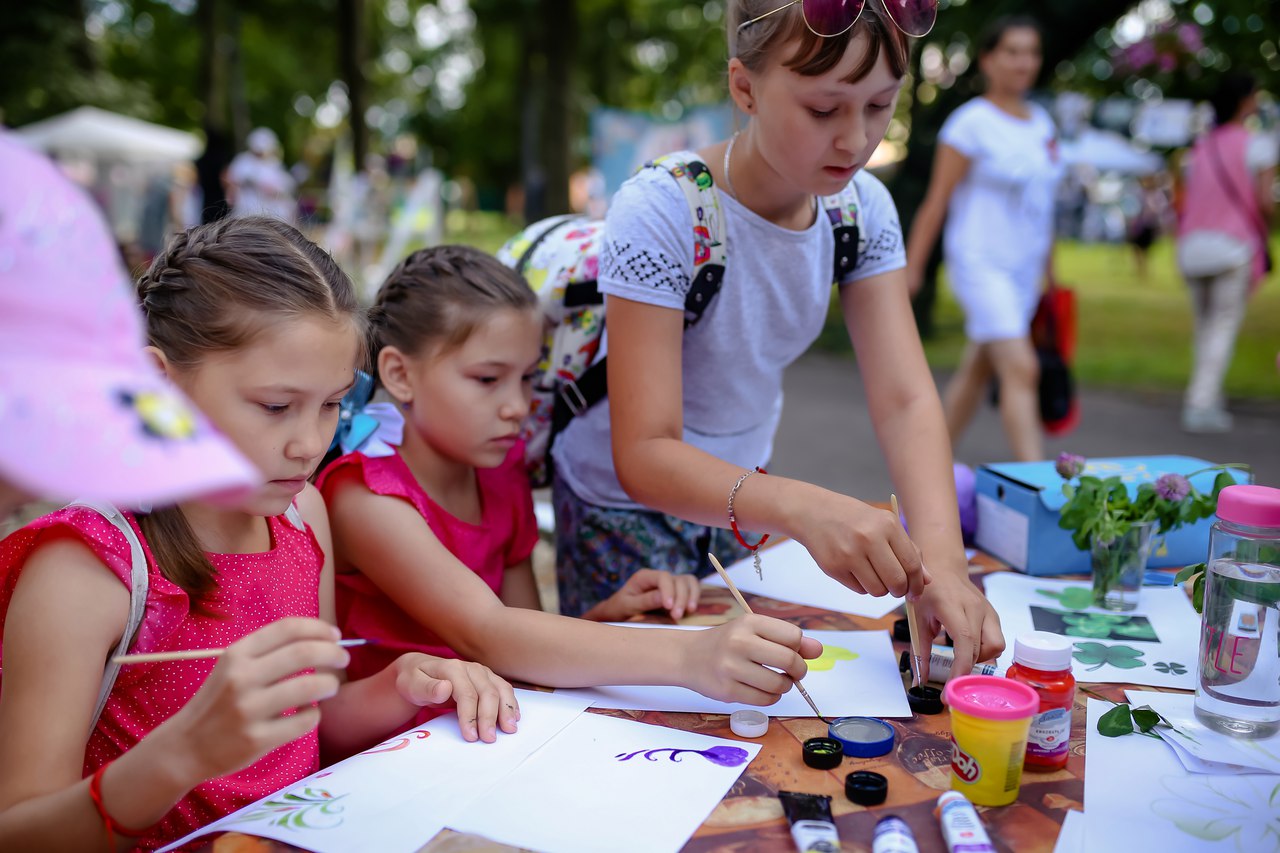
column 844, row 212
column 709, row 230
column 138, row 585
column 294, row 517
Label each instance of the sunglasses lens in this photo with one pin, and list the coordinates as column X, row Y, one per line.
column 828, row 18
column 913, row 17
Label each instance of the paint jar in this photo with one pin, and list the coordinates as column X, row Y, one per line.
column 1238, row 678
column 990, row 717
column 1042, row 661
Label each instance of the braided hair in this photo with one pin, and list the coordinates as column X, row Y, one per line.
column 215, row 288
column 437, row 297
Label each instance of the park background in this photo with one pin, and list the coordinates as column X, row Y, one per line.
column 502, row 103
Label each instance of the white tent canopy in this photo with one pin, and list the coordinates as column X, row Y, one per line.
column 1108, row 151
column 98, row 134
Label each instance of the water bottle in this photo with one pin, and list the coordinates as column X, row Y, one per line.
column 1238, row 680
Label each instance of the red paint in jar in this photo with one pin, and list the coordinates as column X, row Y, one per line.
column 1042, row 661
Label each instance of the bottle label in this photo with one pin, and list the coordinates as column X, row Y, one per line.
column 1050, row 733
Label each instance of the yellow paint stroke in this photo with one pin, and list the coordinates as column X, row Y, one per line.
column 831, row 654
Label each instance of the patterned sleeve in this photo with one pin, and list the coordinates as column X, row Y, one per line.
column 648, row 247
column 884, row 250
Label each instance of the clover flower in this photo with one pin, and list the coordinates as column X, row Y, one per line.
column 1069, row 465
column 1173, row 487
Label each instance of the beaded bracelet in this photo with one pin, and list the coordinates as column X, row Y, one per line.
column 113, row 828
column 733, row 524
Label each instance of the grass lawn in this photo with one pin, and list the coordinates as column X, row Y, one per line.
column 1131, row 334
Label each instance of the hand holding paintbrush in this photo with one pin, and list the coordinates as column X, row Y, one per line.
column 742, row 602
column 919, row 671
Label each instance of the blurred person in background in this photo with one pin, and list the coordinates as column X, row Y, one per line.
column 257, row 181
column 994, row 181
column 1227, row 203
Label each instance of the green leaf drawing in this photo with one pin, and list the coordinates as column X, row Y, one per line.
column 309, row 808
column 1170, row 668
column 1213, row 808
column 1072, row 598
column 1097, row 655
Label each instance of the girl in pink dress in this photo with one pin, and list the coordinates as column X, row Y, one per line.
column 262, row 331
column 433, row 536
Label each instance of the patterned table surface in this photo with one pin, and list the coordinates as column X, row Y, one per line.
column 918, row 769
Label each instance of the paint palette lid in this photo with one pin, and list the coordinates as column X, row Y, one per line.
column 823, row 753
column 748, row 723
column 862, row 737
column 866, row 788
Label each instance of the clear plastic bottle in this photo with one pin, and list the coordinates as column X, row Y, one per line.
column 1238, row 678
column 1042, row 661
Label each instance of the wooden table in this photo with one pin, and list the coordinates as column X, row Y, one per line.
column 749, row 819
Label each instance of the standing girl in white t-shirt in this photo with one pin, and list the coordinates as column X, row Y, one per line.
column 994, row 178
column 654, row 476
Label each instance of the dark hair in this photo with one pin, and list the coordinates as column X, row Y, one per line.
column 813, row 54
column 214, row 288
column 1230, row 93
column 436, row 297
column 993, row 33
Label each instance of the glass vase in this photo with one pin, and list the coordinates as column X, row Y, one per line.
column 1119, row 566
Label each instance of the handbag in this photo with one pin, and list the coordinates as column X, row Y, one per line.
column 1053, row 334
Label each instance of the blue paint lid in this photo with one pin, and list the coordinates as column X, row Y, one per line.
column 862, row 737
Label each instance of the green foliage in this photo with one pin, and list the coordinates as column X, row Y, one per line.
column 1195, row 576
column 1122, row 720
column 1101, row 510
column 1097, row 655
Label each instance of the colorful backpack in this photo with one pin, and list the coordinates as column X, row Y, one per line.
column 560, row 257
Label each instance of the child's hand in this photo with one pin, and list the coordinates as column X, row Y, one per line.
column 649, row 589
column 483, row 699
column 863, row 547
column 736, row 662
column 246, row 707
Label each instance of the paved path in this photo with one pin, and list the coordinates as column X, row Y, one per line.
column 826, row 435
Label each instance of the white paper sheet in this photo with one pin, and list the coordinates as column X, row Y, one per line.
column 790, row 574
column 1205, row 744
column 1071, row 836
column 1156, row 644
column 856, row 675
column 1138, row 797
column 398, row 795
column 581, row 793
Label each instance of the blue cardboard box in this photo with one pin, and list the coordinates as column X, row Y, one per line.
column 1019, row 505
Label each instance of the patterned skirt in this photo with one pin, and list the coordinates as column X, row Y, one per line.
column 599, row 548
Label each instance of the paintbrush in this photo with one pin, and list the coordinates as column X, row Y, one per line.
column 198, row 654
column 917, row 664
column 742, row 602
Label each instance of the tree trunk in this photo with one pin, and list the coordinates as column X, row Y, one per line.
column 560, row 26
column 215, row 87
column 351, row 29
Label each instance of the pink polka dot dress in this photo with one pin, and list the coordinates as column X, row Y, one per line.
column 254, row 589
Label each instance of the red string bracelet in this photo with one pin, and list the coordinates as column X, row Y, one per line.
column 733, row 521
column 113, row 828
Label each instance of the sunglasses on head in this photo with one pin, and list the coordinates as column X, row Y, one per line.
column 827, row 18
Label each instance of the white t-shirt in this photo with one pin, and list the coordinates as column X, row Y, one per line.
column 771, row 307
column 263, row 187
column 1001, row 213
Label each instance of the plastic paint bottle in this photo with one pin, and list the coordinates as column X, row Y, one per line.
column 941, row 661
column 812, row 828
column 1042, row 661
column 962, row 829
column 892, row 835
